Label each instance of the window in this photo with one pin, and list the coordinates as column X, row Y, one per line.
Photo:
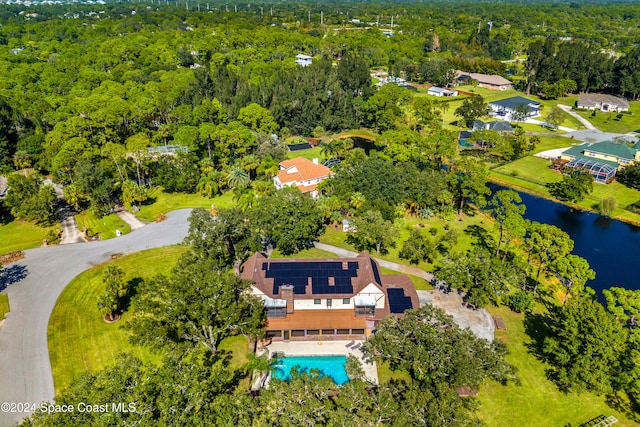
column 346, row 300
column 329, row 302
column 316, row 301
column 357, row 331
column 328, row 331
column 313, row 332
column 365, row 310
column 297, row 333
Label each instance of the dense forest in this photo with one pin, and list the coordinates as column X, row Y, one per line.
column 86, row 90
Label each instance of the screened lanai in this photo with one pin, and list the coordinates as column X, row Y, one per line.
column 602, row 172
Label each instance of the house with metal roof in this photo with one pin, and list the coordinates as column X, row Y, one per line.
column 439, row 91
column 303, row 173
column 326, row 298
column 505, row 108
column 602, row 102
column 303, row 60
column 602, row 159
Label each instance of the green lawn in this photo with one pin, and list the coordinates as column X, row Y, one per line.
column 609, row 122
column 337, row 238
column 167, row 202
column 105, row 227
column 4, row 305
column 308, row 154
column 532, row 173
column 537, row 402
column 18, row 235
column 79, row 340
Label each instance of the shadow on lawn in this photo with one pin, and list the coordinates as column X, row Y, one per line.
column 11, row 275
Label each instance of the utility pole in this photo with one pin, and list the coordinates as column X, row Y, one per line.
column 321, row 17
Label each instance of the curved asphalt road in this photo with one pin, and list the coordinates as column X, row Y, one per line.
column 33, row 285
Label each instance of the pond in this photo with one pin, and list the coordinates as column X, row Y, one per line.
column 611, row 247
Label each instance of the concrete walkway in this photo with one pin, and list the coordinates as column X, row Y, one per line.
column 70, row 232
column 586, row 123
column 128, row 217
column 34, row 284
column 401, row 268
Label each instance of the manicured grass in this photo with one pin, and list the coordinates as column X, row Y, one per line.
column 167, row 202
column 4, row 305
column 532, row 173
column 537, row 402
column 308, row 154
column 105, row 227
column 385, row 374
column 307, row 253
column 238, row 348
column 609, row 122
column 551, row 142
column 79, row 340
column 18, row 235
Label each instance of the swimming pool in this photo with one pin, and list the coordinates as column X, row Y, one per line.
column 331, row 366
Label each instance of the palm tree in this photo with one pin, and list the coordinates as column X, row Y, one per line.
column 237, row 178
column 107, row 305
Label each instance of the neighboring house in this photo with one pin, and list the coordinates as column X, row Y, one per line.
column 605, row 103
column 493, row 82
column 438, row 91
column 506, row 107
column 303, row 173
column 499, row 126
column 168, row 149
column 392, row 79
column 303, row 60
column 326, row 298
column 602, row 159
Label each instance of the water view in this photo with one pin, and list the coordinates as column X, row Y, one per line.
column 612, row 247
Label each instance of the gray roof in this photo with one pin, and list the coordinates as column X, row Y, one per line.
column 515, row 101
column 500, row 126
column 593, row 99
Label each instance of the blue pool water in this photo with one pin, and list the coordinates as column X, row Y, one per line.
column 331, row 366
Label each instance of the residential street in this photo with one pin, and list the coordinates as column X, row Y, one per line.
column 33, row 285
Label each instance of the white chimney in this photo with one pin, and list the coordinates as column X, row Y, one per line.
column 315, row 160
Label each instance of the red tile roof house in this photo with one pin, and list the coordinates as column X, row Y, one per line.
column 313, row 299
column 303, row 173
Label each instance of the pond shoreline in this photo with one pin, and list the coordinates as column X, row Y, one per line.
column 534, row 193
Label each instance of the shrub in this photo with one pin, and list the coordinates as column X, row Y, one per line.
column 520, row 301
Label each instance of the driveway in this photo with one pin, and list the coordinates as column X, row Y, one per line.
column 70, row 232
column 586, row 123
column 33, row 285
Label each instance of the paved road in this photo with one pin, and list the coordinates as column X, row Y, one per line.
column 344, row 253
column 586, row 123
column 33, row 285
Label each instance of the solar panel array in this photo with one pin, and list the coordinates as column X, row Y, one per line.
column 398, row 301
column 376, row 272
column 297, row 274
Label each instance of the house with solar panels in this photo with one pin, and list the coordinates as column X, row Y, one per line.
column 326, row 298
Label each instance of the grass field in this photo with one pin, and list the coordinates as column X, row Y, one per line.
column 167, row 202
column 532, row 173
column 4, row 305
column 308, row 154
column 465, row 239
column 105, row 227
column 609, row 122
column 19, row 235
column 79, row 340
column 537, row 402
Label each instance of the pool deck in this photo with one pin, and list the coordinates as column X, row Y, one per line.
column 326, row 348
